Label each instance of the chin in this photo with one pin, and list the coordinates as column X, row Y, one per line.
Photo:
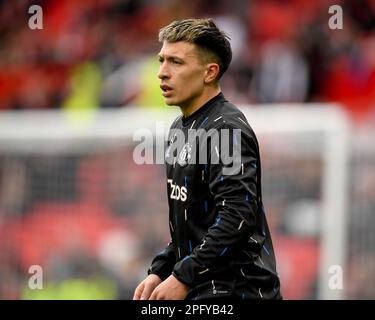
column 170, row 102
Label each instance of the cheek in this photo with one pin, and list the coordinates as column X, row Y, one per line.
column 192, row 83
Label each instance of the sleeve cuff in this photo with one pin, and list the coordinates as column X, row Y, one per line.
column 187, row 271
column 161, row 269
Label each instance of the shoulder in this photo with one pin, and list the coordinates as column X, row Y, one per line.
column 176, row 122
column 229, row 116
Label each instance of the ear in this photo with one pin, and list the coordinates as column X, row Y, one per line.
column 212, row 73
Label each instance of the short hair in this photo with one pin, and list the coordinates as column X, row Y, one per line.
column 204, row 34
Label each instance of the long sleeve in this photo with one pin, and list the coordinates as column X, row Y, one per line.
column 162, row 264
column 236, row 203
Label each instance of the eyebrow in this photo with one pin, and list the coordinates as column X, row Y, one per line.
column 161, row 56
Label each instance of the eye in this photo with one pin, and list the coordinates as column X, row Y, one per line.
column 174, row 61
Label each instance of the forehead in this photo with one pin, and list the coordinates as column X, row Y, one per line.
column 180, row 49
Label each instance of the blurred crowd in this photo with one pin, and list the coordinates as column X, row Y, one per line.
column 83, row 217
column 102, row 53
column 94, row 220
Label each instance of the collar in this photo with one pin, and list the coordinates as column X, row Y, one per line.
column 196, row 114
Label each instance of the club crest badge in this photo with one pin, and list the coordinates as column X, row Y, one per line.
column 185, row 155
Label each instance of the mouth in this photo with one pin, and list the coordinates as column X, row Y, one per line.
column 166, row 90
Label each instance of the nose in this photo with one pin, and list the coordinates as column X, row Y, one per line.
column 163, row 71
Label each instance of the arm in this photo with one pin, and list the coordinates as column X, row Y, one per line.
column 162, row 264
column 236, row 205
column 161, row 267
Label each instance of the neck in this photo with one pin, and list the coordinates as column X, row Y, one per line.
column 199, row 102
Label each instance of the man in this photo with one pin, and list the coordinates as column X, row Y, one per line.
column 221, row 246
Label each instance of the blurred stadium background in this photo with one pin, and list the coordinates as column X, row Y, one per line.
column 73, row 201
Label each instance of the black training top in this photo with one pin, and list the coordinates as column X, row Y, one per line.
column 221, row 245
